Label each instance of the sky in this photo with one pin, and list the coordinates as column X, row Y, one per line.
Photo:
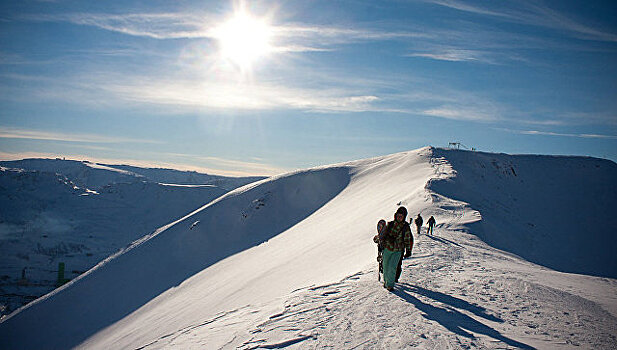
column 263, row 87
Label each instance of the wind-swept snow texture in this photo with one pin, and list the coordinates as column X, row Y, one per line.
column 554, row 211
column 289, row 262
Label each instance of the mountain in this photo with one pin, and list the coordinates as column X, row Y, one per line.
column 79, row 213
column 289, row 262
column 93, row 175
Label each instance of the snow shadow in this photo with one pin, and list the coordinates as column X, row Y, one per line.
column 444, row 241
column 454, row 302
column 452, row 319
column 112, row 291
column 554, row 211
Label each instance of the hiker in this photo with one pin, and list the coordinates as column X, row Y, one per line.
column 418, row 222
column 397, row 239
column 381, row 228
column 431, row 224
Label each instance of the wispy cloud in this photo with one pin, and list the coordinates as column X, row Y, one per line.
column 225, row 94
column 341, row 96
column 152, row 25
column 550, row 133
column 287, row 38
column 454, row 55
column 546, row 122
column 547, row 117
column 439, row 101
column 202, row 91
column 464, row 113
column 69, row 55
column 531, row 13
column 317, row 35
column 17, row 133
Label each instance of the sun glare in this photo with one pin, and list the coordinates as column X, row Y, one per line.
column 243, row 39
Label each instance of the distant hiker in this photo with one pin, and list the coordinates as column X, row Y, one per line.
column 431, row 224
column 381, row 228
column 397, row 239
column 418, row 222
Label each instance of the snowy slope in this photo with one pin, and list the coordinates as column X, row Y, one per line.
column 289, row 261
column 554, row 211
column 47, row 217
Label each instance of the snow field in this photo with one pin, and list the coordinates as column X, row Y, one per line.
column 289, row 262
column 49, row 216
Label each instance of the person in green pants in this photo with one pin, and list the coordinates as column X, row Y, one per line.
column 398, row 238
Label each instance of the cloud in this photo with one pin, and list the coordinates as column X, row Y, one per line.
column 454, row 55
column 531, row 13
column 287, row 38
column 16, row 133
column 226, row 94
column 152, row 25
column 550, row 133
column 461, row 113
column 547, row 117
column 462, row 6
column 203, row 90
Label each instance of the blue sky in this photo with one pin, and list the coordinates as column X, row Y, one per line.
column 153, row 83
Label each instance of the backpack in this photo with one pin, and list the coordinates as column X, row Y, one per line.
column 388, row 236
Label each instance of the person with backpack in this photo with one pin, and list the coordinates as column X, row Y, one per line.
column 431, row 224
column 418, row 222
column 379, row 239
column 397, row 239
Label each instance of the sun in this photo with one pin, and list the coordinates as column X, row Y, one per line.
column 243, row 39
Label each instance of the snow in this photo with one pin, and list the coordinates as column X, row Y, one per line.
column 90, row 175
column 82, row 173
column 108, row 168
column 554, row 211
column 289, row 262
column 46, row 218
column 178, row 185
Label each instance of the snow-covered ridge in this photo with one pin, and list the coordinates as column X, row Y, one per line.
column 79, row 213
column 82, row 173
column 93, row 176
column 555, row 211
column 217, row 277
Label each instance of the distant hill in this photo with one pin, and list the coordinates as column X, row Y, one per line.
column 79, row 213
column 94, row 175
column 187, row 177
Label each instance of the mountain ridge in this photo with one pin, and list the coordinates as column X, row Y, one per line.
column 347, row 199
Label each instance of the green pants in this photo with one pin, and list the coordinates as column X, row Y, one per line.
column 390, row 263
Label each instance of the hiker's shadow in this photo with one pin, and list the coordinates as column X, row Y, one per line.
column 443, row 240
column 452, row 319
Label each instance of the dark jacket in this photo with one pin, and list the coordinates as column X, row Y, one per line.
column 431, row 221
column 398, row 236
column 419, row 221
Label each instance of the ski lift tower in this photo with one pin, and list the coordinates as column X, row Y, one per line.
column 458, row 145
